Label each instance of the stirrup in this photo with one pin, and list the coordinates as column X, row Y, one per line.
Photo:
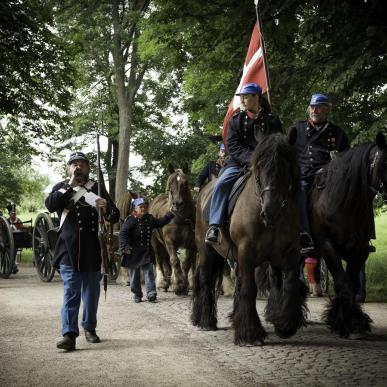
column 213, row 239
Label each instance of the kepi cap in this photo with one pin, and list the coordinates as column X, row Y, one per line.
column 319, row 99
column 77, row 156
column 137, row 202
column 250, row 88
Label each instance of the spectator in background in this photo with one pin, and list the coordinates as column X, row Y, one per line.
column 14, row 221
column 312, row 268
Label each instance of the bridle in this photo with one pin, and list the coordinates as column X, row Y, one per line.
column 178, row 177
column 378, row 186
column 259, row 191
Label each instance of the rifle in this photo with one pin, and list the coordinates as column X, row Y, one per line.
column 101, row 225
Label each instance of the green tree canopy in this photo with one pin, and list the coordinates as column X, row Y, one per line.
column 35, row 74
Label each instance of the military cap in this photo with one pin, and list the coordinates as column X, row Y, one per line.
column 319, row 99
column 250, row 88
column 77, row 156
column 137, row 202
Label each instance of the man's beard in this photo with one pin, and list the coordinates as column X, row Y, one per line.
column 81, row 177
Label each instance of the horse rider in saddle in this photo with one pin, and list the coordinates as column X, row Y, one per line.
column 246, row 128
column 318, row 140
column 211, row 169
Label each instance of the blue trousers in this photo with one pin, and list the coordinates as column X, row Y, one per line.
column 221, row 193
column 303, row 206
column 77, row 286
column 149, row 278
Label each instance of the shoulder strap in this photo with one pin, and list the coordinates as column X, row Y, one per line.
column 79, row 192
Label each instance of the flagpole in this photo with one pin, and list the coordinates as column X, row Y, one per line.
column 265, row 65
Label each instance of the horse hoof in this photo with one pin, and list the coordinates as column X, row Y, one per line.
column 255, row 343
column 181, row 292
column 209, row 328
column 284, row 334
column 358, row 336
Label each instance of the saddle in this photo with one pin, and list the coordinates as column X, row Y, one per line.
column 232, row 197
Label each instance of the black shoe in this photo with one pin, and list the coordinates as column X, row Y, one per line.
column 371, row 249
column 212, row 235
column 307, row 245
column 92, row 337
column 67, row 343
column 137, row 300
column 152, row 298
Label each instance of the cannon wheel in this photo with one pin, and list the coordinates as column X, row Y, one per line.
column 7, row 249
column 42, row 252
column 114, row 270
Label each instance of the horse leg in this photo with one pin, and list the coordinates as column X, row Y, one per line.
column 286, row 307
column 247, row 325
column 207, row 278
column 353, row 273
column 179, row 282
column 228, row 286
column 163, row 270
column 190, row 262
column 343, row 314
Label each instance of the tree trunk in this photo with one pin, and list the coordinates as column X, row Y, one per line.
column 126, row 87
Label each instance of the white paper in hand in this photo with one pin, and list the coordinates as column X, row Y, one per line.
column 90, row 198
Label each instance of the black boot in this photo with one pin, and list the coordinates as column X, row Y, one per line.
column 91, row 336
column 307, row 245
column 67, row 343
column 212, row 236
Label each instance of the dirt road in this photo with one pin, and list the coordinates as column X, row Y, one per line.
column 155, row 345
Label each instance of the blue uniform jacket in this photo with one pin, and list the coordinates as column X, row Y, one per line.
column 314, row 146
column 244, row 133
column 212, row 168
column 136, row 233
column 78, row 243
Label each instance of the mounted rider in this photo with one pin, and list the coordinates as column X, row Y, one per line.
column 211, row 169
column 246, row 129
column 317, row 142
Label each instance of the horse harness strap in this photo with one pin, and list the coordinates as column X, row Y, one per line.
column 259, row 192
column 379, row 184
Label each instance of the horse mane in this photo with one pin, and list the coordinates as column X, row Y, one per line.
column 274, row 153
column 347, row 181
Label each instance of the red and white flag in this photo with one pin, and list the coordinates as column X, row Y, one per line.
column 253, row 71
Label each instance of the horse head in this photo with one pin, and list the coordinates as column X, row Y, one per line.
column 276, row 173
column 179, row 194
column 379, row 167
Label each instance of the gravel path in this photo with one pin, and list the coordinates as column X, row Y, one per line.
column 155, row 345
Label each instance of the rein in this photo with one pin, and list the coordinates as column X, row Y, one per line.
column 379, row 184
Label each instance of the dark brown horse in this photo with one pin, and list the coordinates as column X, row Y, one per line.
column 342, row 222
column 263, row 228
column 179, row 233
